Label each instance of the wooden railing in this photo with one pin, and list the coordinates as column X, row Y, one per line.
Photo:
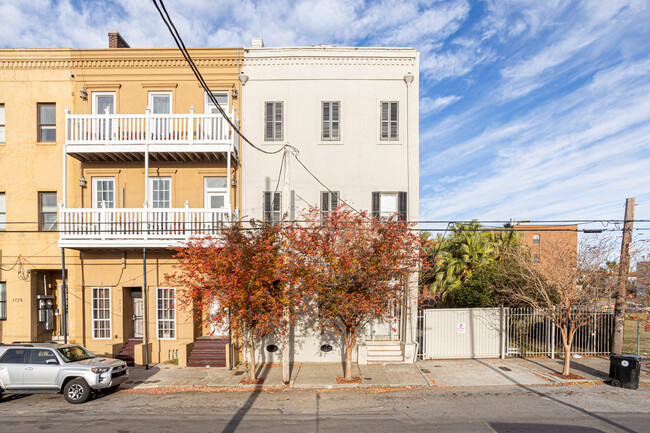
column 106, row 129
column 141, row 224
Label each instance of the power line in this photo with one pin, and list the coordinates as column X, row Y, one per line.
column 528, row 223
column 181, row 46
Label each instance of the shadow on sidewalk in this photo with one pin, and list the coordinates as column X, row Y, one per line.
column 575, row 365
column 139, row 375
column 248, row 404
column 569, row 405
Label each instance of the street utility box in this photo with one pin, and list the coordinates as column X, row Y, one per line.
column 625, row 370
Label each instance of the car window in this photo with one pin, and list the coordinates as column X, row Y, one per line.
column 14, row 356
column 40, row 356
column 74, row 353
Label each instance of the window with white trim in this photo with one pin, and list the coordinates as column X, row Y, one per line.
column 47, row 211
column 166, row 312
column 272, row 206
column 103, row 101
column 387, row 204
column 2, row 123
column 103, row 192
column 216, row 192
column 101, row 299
column 161, row 192
column 329, row 201
column 331, row 121
column 3, row 212
column 536, row 239
column 46, row 123
column 222, row 99
column 273, row 121
column 3, row 301
column 389, row 129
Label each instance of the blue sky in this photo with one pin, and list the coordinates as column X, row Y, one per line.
column 536, row 110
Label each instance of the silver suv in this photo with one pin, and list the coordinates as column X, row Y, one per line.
column 53, row 368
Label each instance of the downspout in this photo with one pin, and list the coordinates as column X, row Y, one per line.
column 146, row 310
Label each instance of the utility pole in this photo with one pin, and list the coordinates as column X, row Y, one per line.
column 286, row 191
column 621, row 284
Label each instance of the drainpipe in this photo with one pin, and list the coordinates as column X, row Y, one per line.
column 64, row 307
column 146, row 310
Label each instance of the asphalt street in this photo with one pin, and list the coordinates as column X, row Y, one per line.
column 572, row 409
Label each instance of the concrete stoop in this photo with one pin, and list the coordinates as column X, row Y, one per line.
column 381, row 352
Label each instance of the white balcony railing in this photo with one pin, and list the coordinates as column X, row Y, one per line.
column 144, row 226
column 107, row 129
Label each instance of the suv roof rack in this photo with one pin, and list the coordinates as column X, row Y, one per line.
column 22, row 343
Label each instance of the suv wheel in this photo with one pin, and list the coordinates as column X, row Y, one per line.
column 76, row 391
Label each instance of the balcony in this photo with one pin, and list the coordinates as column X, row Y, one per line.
column 139, row 227
column 162, row 137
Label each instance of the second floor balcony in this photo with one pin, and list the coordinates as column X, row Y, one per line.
column 191, row 136
column 139, row 227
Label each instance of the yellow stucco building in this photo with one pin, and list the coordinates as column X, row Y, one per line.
column 114, row 156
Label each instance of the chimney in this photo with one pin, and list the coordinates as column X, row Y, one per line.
column 257, row 43
column 115, row 40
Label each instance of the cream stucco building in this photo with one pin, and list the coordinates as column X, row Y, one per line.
column 352, row 113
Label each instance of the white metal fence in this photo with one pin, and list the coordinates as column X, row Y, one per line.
column 501, row 332
column 530, row 333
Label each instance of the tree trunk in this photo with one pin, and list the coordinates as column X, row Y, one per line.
column 251, row 344
column 350, row 339
column 567, row 343
column 285, row 348
column 567, row 359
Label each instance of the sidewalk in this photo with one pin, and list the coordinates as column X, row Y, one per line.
column 438, row 373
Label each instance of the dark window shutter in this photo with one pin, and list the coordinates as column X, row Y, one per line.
column 376, row 200
column 335, row 201
column 279, row 118
column 267, row 206
column 402, row 206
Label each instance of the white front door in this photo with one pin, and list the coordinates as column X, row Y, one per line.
column 386, row 329
column 218, row 328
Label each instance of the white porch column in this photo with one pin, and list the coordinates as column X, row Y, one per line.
column 146, row 157
column 64, row 188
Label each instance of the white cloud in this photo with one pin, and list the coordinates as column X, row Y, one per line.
column 563, row 159
column 431, row 105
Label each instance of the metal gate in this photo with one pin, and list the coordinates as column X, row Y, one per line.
column 461, row 333
column 494, row 332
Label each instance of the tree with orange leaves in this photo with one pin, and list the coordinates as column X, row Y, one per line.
column 243, row 271
column 355, row 267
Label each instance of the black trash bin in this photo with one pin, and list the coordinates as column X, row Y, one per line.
column 625, row 370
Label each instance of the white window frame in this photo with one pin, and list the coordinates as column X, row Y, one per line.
column 208, row 103
column 330, row 121
column 388, row 121
column 272, row 211
column 274, row 122
column 3, row 211
column 537, row 238
column 326, row 212
column 384, row 213
column 209, row 192
column 151, row 181
column 3, row 290
column 171, row 321
column 95, row 320
column 3, row 114
column 151, row 95
column 97, row 94
column 95, row 203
